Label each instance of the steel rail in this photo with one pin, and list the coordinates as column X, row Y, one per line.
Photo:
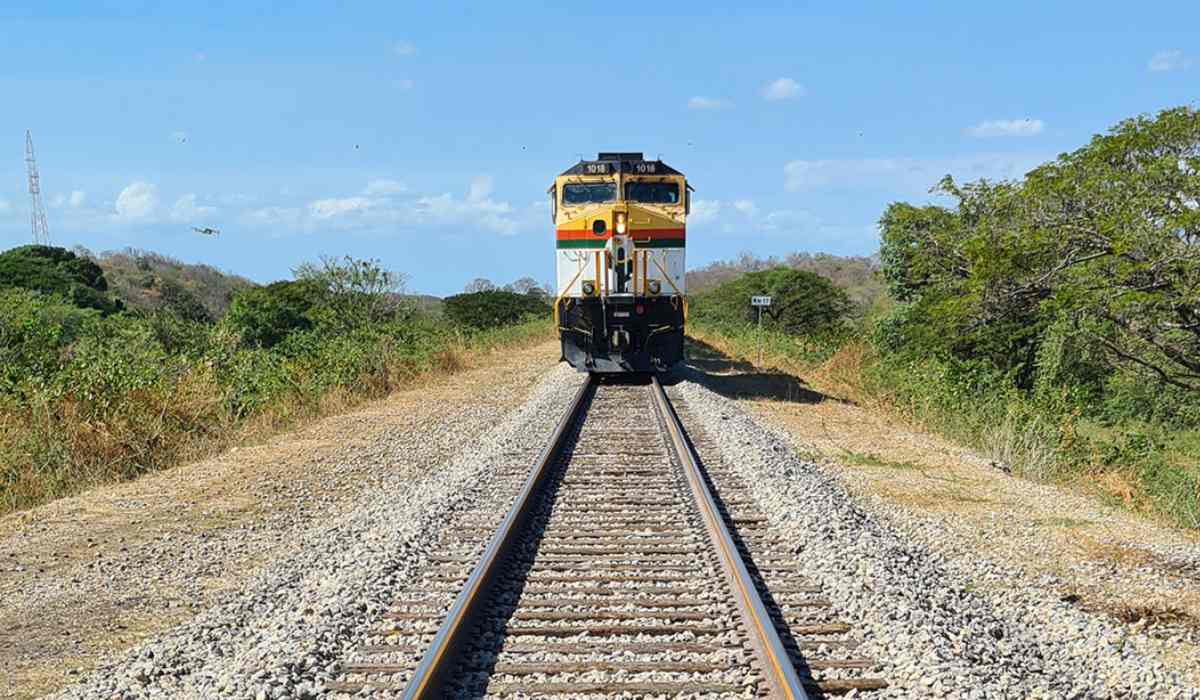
column 433, row 673
column 765, row 639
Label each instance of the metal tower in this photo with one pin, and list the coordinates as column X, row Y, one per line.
column 41, row 232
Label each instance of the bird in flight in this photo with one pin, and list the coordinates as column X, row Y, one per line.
column 205, row 230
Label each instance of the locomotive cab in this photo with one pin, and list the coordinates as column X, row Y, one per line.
column 620, row 236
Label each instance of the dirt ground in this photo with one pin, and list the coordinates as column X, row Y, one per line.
column 87, row 577
column 1093, row 554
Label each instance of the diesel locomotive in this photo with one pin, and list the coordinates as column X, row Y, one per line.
column 619, row 224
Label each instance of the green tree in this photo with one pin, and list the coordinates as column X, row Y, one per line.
column 357, row 293
column 264, row 316
column 492, row 308
column 802, row 302
column 57, row 271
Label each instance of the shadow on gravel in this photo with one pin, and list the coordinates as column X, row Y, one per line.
column 736, row 379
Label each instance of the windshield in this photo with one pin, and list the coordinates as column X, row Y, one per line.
column 652, row 192
column 592, row 193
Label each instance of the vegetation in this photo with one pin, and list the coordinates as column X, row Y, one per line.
column 1053, row 322
column 494, row 308
column 146, row 281
column 802, row 303
column 857, row 276
column 90, row 393
column 58, row 272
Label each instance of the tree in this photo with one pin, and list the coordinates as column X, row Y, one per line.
column 526, row 285
column 1103, row 243
column 802, row 302
column 492, row 308
column 479, row 284
column 57, row 271
column 264, row 316
column 357, row 292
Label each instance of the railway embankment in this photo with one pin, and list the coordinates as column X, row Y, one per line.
column 223, row 563
column 1021, row 588
column 261, row 572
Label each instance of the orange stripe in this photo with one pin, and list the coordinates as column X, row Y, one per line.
column 653, row 234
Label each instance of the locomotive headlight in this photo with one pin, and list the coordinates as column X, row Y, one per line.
column 619, row 221
column 589, row 287
column 654, row 286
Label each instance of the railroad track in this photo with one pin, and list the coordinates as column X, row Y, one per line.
column 625, row 567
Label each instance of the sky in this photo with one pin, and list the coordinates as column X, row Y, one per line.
column 424, row 135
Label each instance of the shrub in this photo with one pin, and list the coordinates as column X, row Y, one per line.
column 493, row 308
column 58, row 272
column 264, row 316
column 802, row 302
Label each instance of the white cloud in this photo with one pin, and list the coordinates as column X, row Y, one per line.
column 76, row 198
column 1164, row 61
column 186, row 209
column 784, row 89
column 704, row 211
column 743, row 216
column 404, row 48
column 384, row 186
column 404, row 84
column 708, row 103
column 383, row 206
column 330, row 208
column 480, row 189
column 137, row 201
column 746, row 206
column 1007, row 127
column 271, row 216
column 903, row 176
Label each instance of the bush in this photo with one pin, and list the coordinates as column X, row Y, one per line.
column 803, row 303
column 264, row 316
column 493, row 308
column 57, row 272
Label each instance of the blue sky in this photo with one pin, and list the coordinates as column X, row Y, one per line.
column 425, row 134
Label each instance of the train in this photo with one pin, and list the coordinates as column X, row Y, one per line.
column 620, row 235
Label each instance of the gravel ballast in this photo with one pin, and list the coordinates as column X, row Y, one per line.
column 285, row 632
column 937, row 628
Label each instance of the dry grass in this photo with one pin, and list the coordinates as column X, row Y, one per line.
column 58, row 447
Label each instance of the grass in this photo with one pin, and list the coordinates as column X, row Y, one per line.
column 1140, row 467
column 56, row 444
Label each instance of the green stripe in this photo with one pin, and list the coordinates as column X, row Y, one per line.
column 582, row 243
column 600, row 243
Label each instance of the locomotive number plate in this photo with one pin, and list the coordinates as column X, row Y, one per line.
column 621, row 314
column 596, row 168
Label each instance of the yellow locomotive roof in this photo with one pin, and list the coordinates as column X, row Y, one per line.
column 627, row 163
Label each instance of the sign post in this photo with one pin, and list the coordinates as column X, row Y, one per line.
column 760, row 303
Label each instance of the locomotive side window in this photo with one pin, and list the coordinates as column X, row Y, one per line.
column 590, row 193
column 652, row 192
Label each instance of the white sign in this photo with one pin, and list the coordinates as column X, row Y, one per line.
column 760, row 301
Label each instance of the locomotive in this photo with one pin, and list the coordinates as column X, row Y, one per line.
column 619, row 224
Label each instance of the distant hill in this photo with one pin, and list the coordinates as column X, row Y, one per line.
column 426, row 304
column 148, row 281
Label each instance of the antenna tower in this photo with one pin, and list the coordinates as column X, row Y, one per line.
column 41, row 232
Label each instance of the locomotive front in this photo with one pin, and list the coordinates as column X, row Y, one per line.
column 619, row 227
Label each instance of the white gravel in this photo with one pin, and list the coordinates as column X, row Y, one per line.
column 944, row 628
column 284, row 633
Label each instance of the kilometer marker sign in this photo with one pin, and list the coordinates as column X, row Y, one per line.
column 760, row 301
